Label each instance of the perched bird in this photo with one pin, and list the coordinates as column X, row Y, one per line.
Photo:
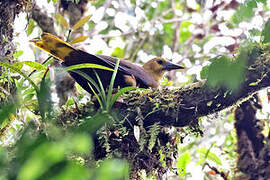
column 129, row 74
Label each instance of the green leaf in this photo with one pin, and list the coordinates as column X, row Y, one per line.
column 88, row 78
column 119, row 93
column 184, row 31
column 102, row 91
column 266, row 32
column 17, row 65
column 29, row 91
column 53, row 154
column 218, row 71
column 150, row 13
column 79, row 39
column 62, row 20
column 182, row 162
column 5, row 112
column 245, row 11
column 118, row 52
column 106, row 102
column 30, row 27
column 207, row 154
column 162, row 158
column 54, row 1
column 109, row 94
column 98, row 2
column 44, row 99
column 86, row 65
column 93, row 123
column 72, row 170
column 154, row 132
column 103, row 102
column 35, row 65
column 99, row 52
column 204, row 72
column 28, row 97
column 69, row 102
column 255, row 32
column 32, row 64
column 113, row 169
column 21, row 73
column 167, row 36
column 225, row 72
column 81, row 143
column 17, row 54
column 81, row 22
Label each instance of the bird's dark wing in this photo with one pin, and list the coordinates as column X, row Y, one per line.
column 125, row 69
column 142, row 77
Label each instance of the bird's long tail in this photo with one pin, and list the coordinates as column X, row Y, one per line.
column 53, row 45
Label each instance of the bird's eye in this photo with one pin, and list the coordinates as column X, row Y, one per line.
column 159, row 61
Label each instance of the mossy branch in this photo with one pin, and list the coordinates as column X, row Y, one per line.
column 180, row 107
column 45, row 22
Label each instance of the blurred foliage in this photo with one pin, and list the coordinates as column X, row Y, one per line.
column 38, row 156
column 203, row 36
column 246, row 10
column 224, row 66
column 62, row 152
column 228, row 72
column 207, row 154
column 182, row 162
column 51, row 152
column 266, row 32
column 5, row 111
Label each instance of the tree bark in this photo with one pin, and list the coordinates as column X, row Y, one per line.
column 8, row 11
column 253, row 153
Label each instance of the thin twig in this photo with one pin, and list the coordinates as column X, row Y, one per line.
column 138, row 47
column 42, row 64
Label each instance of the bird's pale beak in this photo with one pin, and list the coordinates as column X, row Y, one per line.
column 37, row 42
column 170, row 66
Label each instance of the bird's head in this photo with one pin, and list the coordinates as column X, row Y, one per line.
column 158, row 66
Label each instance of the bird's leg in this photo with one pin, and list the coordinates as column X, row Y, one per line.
column 130, row 80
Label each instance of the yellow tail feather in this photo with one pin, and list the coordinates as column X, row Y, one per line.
column 53, row 45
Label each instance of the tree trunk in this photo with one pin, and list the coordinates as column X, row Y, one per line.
column 8, row 10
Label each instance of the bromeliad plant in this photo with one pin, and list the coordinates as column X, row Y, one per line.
column 105, row 99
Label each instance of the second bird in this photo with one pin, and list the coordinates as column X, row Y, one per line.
column 129, row 74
